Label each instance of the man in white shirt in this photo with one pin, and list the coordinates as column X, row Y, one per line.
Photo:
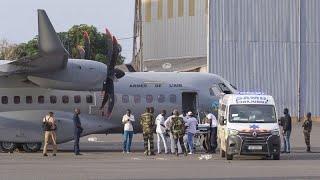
column 127, row 121
column 213, row 131
column 167, row 124
column 184, row 115
column 161, row 130
column 191, row 125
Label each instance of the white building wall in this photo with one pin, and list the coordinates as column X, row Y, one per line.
column 174, row 37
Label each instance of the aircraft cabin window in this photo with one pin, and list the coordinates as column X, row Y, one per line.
column 137, row 99
column 161, row 98
column 149, row 98
column 173, row 98
column 77, row 99
column 225, row 89
column 65, row 99
column 40, row 99
column 89, row 99
column 125, row 99
column 4, row 100
column 28, row 99
column 53, row 99
column 215, row 91
column 16, row 99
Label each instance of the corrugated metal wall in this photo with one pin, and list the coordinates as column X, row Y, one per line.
column 258, row 45
column 176, row 36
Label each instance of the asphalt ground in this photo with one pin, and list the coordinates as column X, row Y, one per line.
column 103, row 159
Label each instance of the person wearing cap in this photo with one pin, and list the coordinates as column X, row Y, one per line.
column 213, row 131
column 50, row 134
column 160, row 130
column 191, row 126
column 127, row 121
column 77, row 131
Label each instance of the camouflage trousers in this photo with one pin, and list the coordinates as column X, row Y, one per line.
column 307, row 137
column 178, row 137
column 148, row 136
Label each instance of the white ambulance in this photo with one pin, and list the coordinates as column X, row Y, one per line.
column 248, row 125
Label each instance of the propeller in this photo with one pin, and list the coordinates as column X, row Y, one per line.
column 113, row 73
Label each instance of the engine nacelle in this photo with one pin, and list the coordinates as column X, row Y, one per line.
column 79, row 75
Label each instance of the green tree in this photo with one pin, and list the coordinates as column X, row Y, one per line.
column 71, row 40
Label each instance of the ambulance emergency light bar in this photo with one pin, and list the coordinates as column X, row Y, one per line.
column 252, row 93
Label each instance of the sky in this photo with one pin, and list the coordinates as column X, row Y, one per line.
column 18, row 18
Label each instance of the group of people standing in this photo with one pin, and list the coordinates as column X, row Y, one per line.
column 287, row 127
column 50, row 127
column 177, row 126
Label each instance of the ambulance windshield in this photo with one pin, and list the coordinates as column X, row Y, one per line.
column 252, row 113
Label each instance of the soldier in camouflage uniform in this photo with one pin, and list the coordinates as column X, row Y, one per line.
column 307, row 126
column 206, row 142
column 147, row 124
column 178, row 130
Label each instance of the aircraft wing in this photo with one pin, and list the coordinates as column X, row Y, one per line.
column 51, row 57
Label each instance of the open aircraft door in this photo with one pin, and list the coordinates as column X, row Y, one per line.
column 190, row 101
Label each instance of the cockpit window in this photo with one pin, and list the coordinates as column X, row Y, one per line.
column 225, row 89
column 214, row 91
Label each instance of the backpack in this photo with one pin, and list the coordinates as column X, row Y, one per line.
column 46, row 125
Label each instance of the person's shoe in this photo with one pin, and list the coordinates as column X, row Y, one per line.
column 283, row 152
column 158, row 152
column 78, row 154
column 185, row 153
column 123, row 151
column 166, row 153
column 128, row 152
column 177, row 154
column 308, row 149
column 190, row 153
column 145, row 153
column 152, row 154
column 45, row 154
column 54, row 155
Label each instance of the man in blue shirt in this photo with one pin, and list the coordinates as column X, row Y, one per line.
column 77, row 131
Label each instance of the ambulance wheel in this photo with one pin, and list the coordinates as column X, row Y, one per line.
column 222, row 153
column 32, row 147
column 276, row 157
column 6, row 147
column 229, row 157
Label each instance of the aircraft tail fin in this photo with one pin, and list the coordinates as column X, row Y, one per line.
column 49, row 42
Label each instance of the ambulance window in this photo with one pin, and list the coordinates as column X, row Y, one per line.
column 65, row 99
column 16, row 99
column 28, row 99
column 173, row 98
column 225, row 89
column 53, row 99
column 40, row 99
column 137, row 99
column 161, row 98
column 215, row 91
column 77, row 99
column 4, row 99
column 125, row 99
column 89, row 99
column 149, row 98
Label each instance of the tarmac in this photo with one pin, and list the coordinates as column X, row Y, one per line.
column 103, row 159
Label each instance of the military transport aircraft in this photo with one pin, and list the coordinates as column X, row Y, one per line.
column 49, row 81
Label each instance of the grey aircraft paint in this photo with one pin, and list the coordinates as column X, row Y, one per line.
column 33, row 86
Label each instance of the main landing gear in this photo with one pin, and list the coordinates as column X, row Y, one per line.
column 9, row 147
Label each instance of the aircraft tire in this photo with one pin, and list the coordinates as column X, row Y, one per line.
column 6, row 147
column 32, row 147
